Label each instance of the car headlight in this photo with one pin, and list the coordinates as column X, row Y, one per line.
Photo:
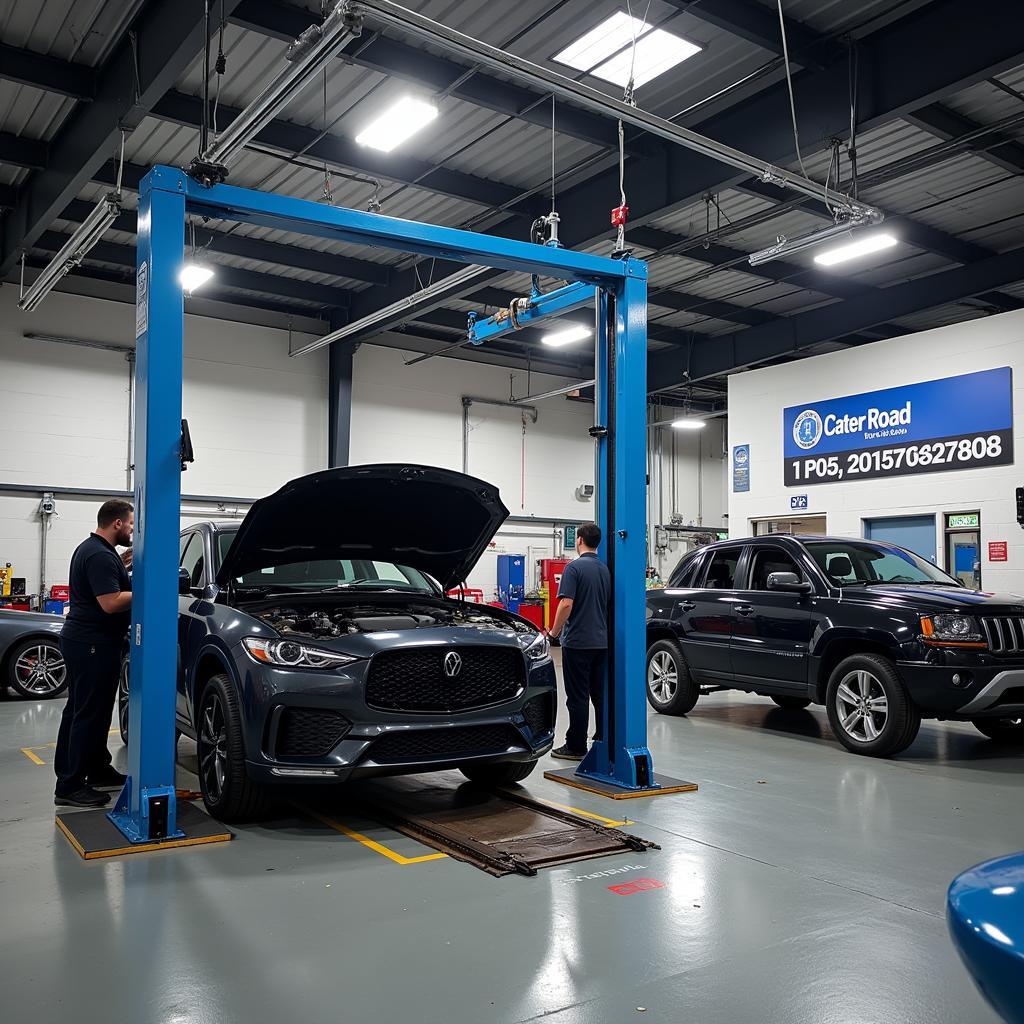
column 289, row 654
column 539, row 649
column 952, row 629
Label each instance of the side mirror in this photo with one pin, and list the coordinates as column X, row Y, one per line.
column 788, row 582
column 184, row 581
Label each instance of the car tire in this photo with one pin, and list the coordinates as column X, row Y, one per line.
column 228, row 792
column 670, row 687
column 1003, row 730
column 792, row 703
column 123, row 683
column 494, row 775
column 869, row 708
column 36, row 669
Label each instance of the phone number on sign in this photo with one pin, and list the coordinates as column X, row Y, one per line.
column 892, row 460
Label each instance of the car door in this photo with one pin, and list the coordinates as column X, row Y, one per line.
column 772, row 635
column 193, row 560
column 704, row 615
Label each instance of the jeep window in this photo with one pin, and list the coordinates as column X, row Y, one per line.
column 721, row 573
column 329, row 574
column 192, row 560
column 686, row 571
column 769, row 560
column 851, row 563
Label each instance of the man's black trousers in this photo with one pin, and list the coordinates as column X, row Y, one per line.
column 92, row 686
column 583, row 671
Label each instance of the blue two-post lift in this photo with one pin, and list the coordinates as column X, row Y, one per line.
column 145, row 811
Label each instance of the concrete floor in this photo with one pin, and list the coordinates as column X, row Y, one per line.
column 801, row 884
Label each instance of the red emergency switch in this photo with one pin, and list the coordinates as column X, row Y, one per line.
column 619, row 215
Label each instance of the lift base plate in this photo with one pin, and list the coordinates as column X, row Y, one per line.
column 665, row 785
column 94, row 836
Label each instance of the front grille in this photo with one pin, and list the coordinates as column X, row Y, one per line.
column 309, row 732
column 415, row 679
column 539, row 713
column 1005, row 634
column 453, row 741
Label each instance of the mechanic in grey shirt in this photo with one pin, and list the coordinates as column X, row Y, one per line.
column 581, row 623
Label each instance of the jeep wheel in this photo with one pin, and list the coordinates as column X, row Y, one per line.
column 869, row 708
column 791, row 703
column 670, row 689
column 228, row 792
column 1003, row 730
column 495, row 775
column 122, row 699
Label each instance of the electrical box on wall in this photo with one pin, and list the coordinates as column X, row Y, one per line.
column 584, row 492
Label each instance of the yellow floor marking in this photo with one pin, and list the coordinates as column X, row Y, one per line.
column 371, row 844
column 587, row 814
column 27, row 751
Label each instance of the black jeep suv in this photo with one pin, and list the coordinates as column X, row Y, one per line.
column 878, row 635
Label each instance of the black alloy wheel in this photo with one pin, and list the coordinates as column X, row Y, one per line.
column 228, row 792
column 122, row 698
column 36, row 669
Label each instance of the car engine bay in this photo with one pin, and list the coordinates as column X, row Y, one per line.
column 335, row 621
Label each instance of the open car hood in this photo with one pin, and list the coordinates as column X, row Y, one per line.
column 431, row 519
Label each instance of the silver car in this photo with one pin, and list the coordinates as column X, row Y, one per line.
column 30, row 660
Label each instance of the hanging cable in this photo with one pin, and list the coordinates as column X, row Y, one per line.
column 328, row 194
column 120, row 166
column 851, row 149
column 789, row 86
column 204, row 132
column 220, row 66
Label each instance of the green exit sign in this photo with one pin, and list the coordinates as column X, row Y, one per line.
column 963, row 521
column 570, row 538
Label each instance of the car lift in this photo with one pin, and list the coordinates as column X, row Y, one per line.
column 621, row 764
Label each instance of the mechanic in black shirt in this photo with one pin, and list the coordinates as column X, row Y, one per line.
column 582, row 623
column 91, row 642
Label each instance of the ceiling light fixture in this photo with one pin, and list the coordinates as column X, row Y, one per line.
column 194, row 275
column 607, row 51
column 862, row 246
column 77, row 247
column 688, row 423
column 569, row 336
column 399, row 122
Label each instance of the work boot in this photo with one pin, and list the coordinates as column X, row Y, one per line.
column 565, row 754
column 84, row 796
column 107, row 778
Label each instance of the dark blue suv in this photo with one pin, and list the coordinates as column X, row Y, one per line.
column 878, row 635
column 316, row 642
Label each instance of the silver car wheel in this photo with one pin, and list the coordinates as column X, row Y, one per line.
column 862, row 706
column 662, row 676
column 41, row 670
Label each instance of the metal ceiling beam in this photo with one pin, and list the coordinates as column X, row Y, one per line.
column 295, row 256
column 164, row 40
column 790, row 335
column 398, row 59
column 227, row 277
column 946, row 46
column 944, row 123
column 8, row 197
column 51, row 74
column 288, row 138
column 759, row 25
column 19, row 151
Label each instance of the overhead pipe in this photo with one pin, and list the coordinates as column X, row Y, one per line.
column 478, row 52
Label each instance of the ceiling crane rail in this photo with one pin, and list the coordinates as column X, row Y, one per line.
column 395, row 16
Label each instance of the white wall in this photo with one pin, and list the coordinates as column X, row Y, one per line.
column 757, row 399
column 257, row 417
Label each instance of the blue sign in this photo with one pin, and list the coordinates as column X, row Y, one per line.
column 741, row 468
column 954, row 423
column 798, row 502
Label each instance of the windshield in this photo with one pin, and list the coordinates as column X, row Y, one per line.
column 852, row 563
column 328, row 574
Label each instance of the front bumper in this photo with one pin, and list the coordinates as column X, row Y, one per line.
column 376, row 742
column 963, row 684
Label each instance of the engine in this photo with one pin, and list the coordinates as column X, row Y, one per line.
column 334, row 622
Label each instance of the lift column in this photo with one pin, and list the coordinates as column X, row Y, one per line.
column 145, row 810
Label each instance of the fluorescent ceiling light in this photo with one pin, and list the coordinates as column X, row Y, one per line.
column 400, row 121
column 688, row 423
column 607, row 51
column 194, row 276
column 569, row 336
column 852, row 250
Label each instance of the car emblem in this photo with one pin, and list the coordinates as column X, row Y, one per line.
column 452, row 664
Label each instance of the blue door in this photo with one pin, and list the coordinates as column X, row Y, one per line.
column 915, row 533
